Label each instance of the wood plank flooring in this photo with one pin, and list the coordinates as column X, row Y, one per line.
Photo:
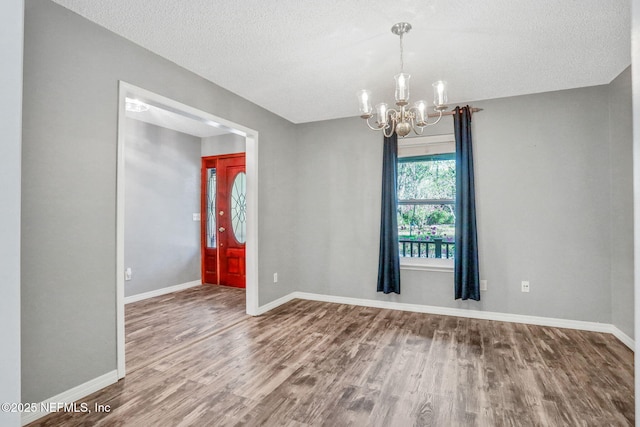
column 157, row 326
column 321, row 364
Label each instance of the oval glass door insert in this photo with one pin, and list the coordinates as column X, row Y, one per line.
column 239, row 207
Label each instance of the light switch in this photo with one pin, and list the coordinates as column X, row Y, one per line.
column 196, row 217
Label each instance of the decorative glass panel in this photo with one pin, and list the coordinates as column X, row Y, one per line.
column 239, row 207
column 211, row 207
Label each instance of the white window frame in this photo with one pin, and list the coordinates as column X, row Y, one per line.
column 421, row 146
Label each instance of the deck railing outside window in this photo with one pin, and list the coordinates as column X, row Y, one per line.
column 431, row 248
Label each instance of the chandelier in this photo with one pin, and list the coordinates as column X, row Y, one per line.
column 404, row 119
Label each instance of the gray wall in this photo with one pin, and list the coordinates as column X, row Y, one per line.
column 71, row 73
column 543, row 198
column 162, row 192
column 11, row 30
column 223, row 144
column 621, row 143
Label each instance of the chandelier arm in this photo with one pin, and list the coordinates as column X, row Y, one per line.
column 392, row 115
column 371, row 127
column 434, row 123
column 391, row 126
column 416, row 128
column 439, row 117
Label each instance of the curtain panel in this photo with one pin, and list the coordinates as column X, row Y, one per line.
column 466, row 271
column 389, row 262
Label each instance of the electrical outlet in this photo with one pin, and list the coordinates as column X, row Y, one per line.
column 525, row 286
column 127, row 274
column 483, row 285
column 275, row 277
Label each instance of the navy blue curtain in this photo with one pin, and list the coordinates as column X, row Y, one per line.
column 389, row 263
column 466, row 272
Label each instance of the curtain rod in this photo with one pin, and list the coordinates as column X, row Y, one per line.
column 450, row 113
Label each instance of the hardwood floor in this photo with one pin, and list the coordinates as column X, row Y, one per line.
column 321, row 364
column 158, row 326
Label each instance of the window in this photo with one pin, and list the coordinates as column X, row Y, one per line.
column 426, row 201
column 211, row 207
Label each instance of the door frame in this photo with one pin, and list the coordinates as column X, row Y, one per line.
column 251, row 161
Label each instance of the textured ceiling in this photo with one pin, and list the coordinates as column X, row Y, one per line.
column 305, row 60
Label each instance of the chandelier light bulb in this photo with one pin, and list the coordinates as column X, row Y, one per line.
column 421, row 112
column 440, row 94
column 402, row 88
column 381, row 115
column 364, row 96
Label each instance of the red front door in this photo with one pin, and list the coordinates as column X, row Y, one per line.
column 224, row 220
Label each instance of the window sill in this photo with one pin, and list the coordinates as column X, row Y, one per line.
column 427, row 264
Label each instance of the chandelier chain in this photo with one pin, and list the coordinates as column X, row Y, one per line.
column 401, row 55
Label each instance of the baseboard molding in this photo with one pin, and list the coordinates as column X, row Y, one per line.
column 71, row 396
column 276, row 303
column 447, row 311
column 624, row 338
column 163, row 291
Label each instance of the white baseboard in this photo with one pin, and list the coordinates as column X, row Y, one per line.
column 447, row 311
column 273, row 304
column 70, row 396
column 626, row 339
column 163, row 291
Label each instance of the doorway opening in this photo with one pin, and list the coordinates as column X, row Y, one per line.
column 140, row 98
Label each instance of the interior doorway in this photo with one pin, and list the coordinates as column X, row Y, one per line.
column 250, row 177
column 224, row 214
